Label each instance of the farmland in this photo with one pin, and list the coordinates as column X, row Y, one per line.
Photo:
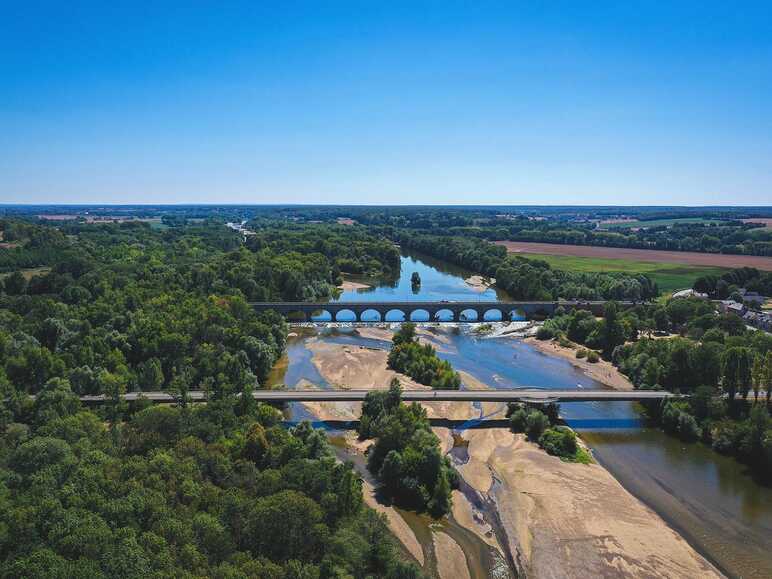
column 669, row 276
column 672, row 270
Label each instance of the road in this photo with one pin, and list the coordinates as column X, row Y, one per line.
column 523, row 395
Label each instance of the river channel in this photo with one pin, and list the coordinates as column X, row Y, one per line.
column 709, row 499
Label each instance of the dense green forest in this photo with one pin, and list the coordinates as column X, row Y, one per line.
column 420, row 361
column 406, row 455
column 219, row 490
column 528, row 279
column 348, row 248
column 712, row 358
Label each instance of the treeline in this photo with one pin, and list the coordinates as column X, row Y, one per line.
column 529, row 279
column 713, row 358
column 220, row 490
column 421, row 362
column 728, row 284
column 406, row 456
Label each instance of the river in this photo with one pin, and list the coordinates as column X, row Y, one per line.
column 710, row 499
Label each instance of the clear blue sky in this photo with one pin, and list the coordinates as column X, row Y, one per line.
column 386, row 102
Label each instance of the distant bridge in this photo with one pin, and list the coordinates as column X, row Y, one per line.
column 510, row 395
column 461, row 311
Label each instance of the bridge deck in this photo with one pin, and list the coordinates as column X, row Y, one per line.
column 526, row 395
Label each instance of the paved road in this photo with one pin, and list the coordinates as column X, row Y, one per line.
column 527, row 395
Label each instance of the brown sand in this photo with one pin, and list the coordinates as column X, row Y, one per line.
column 349, row 285
column 561, row 519
column 451, row 562
column 356, row 368
column 602, row 371
column 574, row 520
column 655, row 255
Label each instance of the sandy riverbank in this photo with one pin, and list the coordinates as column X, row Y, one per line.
column 602, row 371
column 559, row 519
column 349, row 285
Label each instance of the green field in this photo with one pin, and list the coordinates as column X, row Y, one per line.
column 657, row 223
column 669, row 276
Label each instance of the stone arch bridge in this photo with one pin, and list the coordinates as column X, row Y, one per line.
column 460, row 311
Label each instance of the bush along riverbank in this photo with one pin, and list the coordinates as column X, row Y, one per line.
column 406, row 456
column 543, row 427
column 420, row 362
column 709, row 356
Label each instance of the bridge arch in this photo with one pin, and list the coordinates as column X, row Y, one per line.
column 296, row 316
column 468, row 315
column 518, row 315
column 444, row 315
column 493, row 315
column 371, row 315
column 348, row 315
column 423, row 315
column 321, row 315
column 394, row 315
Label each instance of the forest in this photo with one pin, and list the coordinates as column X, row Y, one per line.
column 217, row 490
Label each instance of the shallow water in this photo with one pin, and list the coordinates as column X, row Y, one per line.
column 710, row 499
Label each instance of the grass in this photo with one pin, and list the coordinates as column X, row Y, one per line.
column 669, row 276
column 658, row 223
column 582, row 456
column 28, row 273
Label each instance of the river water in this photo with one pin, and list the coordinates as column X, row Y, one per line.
column 710, row 499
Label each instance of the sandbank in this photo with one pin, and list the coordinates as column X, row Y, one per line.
column 601, row 371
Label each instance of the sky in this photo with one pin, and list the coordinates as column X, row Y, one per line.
column 374, row 102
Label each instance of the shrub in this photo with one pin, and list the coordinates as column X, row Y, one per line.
column 593, row 357
column 581, row 353
column 559, row 441
column 544, row 333
column 519, row 420
column 536, row 423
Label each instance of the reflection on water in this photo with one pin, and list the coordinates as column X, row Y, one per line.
column 707, row 497
column 438, row 283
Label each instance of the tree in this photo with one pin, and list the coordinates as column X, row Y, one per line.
column 286, row 525
column 612, row 332
column 536, row 423
column 15, row 284
column 736, row 371
column 55, row 400
column 415, row 282
column 757, row 376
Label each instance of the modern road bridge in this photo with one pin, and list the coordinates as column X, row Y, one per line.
column 511, row 395
column 460, row 311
